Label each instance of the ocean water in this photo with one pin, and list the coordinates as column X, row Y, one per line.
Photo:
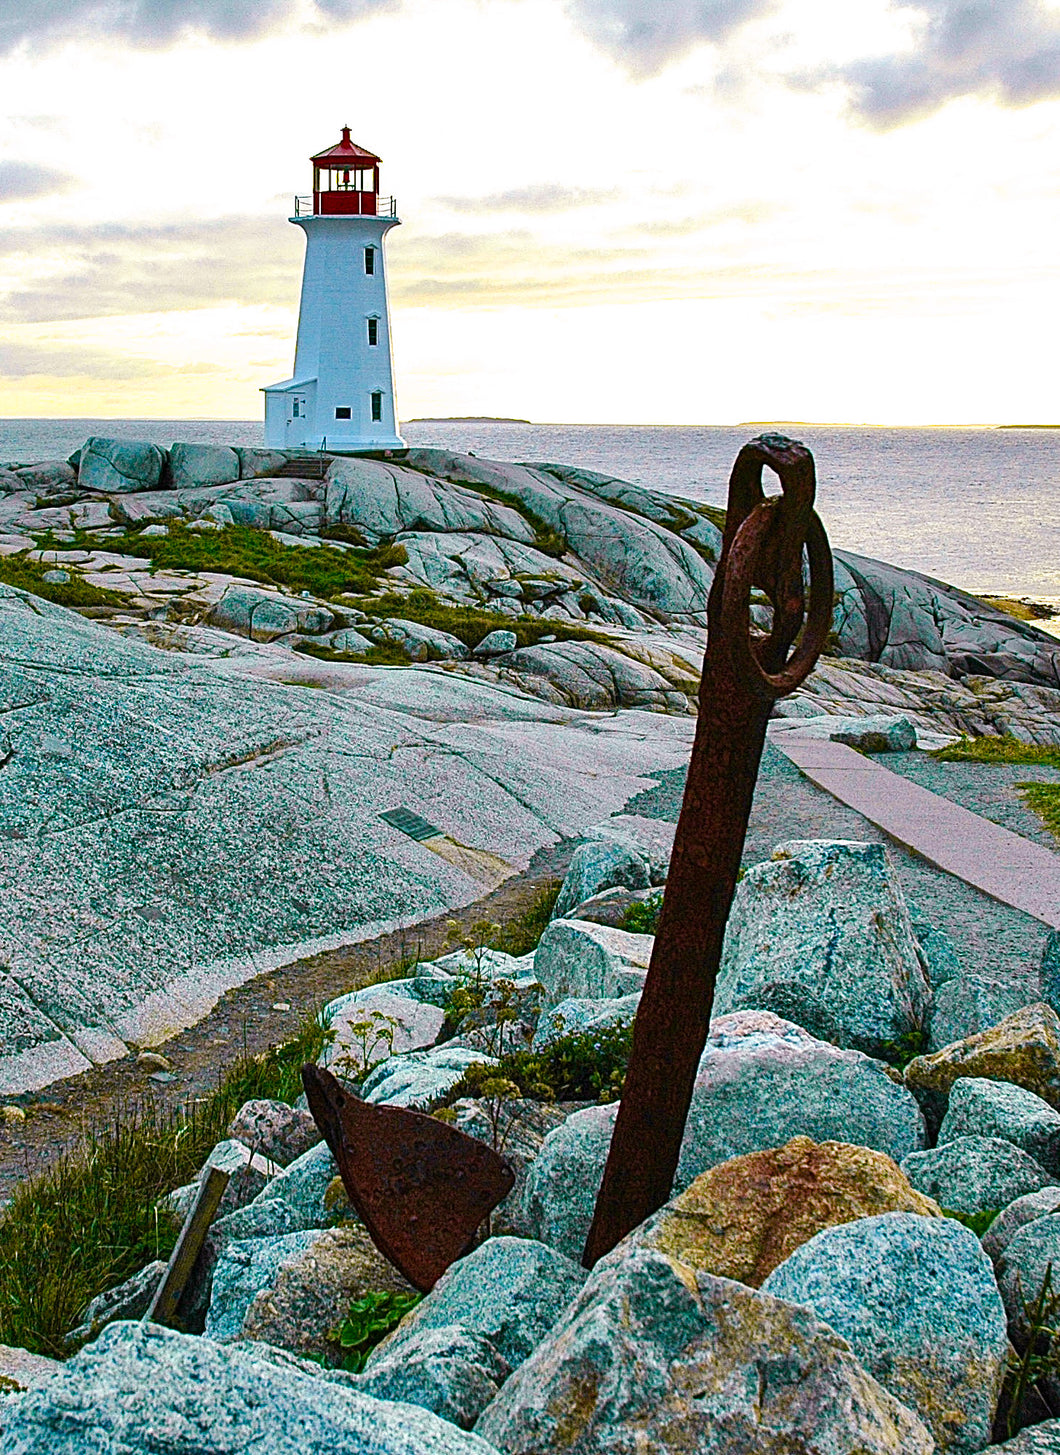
column 976, row 507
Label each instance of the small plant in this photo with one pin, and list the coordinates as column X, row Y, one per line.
column 368, row 1322
column 582, row 1066
column 907, row 1047
column 642, row 918
column 977, row 1222
column 373, row 1032
column 1041, row 1357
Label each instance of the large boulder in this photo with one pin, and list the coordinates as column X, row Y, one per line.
column 251, row 611
column 1024, row 1048
column 310, row 1292
column 593, row 677
column 916, row 1300
column 982, row 1108
column 141, row 1388
column 295, row 1196
column 601, row 864
column 275, row 1130
column 576, row 959
column 509, row 1290
column 744, row 1217
column 421, row 1077
column 450, row 1370
column 1025, row 1209
column 194, row 465
column 1031, row 1256
column 120, row 466
column 577, row 1015
column 654, row 1358
column 419, row 643
column 761, row 1081
column 244, row 1267
column 382, row 500
column 821, row 934
column 975, row 1174
column 968, row 1004
column 374, row 1023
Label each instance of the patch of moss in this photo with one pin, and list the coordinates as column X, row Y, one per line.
column 548, row 540
column 1022, row 608
column 255, row 555
column 978, row 1222
column 998, row 750
column 26, row 575
column 383, row 654
column 471, row 623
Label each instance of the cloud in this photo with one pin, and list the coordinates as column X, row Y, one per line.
column 22, row 180
column 542, row 197
column 116, row 269
column 646, row 35
column 28, row 361
column 1006, row 49
column 161, row 22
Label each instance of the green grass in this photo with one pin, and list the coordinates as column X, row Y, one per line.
column 27, row 575
column 642, row 918
column 253, row 555
column 518, row 936
column 383, row 654
column 998, row 750
column 90, row 1221
column 471, row 623
column 1044, row 799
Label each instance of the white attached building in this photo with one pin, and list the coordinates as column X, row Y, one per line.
column 341, row 395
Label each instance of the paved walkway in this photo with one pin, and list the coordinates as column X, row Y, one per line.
column 1002, row 864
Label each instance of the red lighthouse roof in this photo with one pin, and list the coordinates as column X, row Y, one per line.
column 345, row 153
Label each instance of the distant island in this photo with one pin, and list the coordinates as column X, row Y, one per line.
column 468, row 419
column 1029, row 426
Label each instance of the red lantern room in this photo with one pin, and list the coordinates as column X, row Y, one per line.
column 345, row 180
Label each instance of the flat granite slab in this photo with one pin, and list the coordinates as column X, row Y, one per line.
column 171, row 826
column 1002, row 864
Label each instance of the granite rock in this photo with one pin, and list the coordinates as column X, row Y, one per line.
column 597, row 865
column 275, row 1130
column 1024, row 1049
column 973, row 1174
column 420, row 1077
column 419, row 643
column 116, row 466
column 243, row 1268
column 982, row 1108
column 744, row 1217
column 575, row 1016
column 143, row 1388
column 577, row 960
column 191, row 465
column 374, row 1024
column 1043, row 1439
column 761, row 1081
column 1017, row 1215
column 129, row 1299
column 509, row 1290
column 251, row 611
column 654, row 1358
column 448, row 1369
column 1021, row 1271
column 310, row 1291
column 916, row 1300
column 496, row 643
column 821, row 935
column 968, row 1004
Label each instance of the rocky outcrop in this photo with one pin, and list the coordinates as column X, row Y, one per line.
column 119, row 466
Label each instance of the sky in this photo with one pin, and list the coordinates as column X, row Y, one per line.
column 620, row 211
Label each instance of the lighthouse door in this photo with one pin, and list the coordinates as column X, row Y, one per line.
column 296, row 418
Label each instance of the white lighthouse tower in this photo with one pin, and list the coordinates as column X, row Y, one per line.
column 341, row 395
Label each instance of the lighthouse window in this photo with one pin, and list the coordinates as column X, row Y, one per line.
column 377, row 405
column 373, row 331
column 369, row 260
column 342, row 411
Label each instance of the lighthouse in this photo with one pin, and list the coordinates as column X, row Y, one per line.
column 341, row 395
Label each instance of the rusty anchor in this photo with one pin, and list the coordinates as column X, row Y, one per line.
column 421, row 1187
column 743, row 675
